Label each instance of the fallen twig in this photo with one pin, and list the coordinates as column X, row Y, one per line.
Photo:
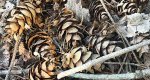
column 125, row 63
column 13, row 59
column 14, row 72
column 102, row 59
column 137, row 75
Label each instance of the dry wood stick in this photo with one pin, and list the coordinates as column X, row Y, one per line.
column 102, row 59
column 13, row 58
column 126, row 76
column 14, row 72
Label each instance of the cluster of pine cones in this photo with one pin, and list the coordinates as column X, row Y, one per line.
column 52, row 33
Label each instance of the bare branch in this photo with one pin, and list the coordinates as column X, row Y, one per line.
column 14, row 72
column 102, row 59
column 13, row 59
column 137, row 75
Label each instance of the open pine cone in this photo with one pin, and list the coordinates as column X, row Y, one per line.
column 69, row 29
column 22, row 18
column 44, row 70
column 77, row 57
column 103, row 45
column 127, row 7
column 41, row 45
column 98, row 13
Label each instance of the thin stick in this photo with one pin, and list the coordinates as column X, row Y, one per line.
column 13, row 59
column 14, row 72
column 102, row 59
column 125, row 63
column 127, row 76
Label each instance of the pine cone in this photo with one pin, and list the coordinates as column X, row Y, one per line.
column 77, row 57
column 126, row 8
column 22, row 18
column 44, row 70
column 103, row 45
column 69, row 29
column 41, row 45
column 98, row 13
